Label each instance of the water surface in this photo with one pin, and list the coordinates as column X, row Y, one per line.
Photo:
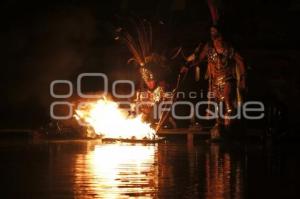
column 92, row 169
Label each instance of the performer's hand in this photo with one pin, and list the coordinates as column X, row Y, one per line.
column 190, row 58
column 184, row 69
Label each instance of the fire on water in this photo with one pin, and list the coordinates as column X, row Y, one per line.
column 108, row 120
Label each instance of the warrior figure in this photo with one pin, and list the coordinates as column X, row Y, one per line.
column 226, row 75
column 153, row 67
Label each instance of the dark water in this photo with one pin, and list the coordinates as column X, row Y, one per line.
column 91, row 169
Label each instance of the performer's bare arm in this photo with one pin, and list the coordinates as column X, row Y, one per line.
column 194, row 57
column 203, row 53
column 241, row 66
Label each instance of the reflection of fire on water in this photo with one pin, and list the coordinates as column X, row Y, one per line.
column 117, row 171
column 108, row 120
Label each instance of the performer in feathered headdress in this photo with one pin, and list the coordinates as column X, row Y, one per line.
column 225, row 71
column 152, row 66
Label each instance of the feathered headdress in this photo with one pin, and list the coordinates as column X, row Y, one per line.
column 140, row 43
column 214, row 8
column 138, row 38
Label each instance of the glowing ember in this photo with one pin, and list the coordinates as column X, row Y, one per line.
column 107, row 119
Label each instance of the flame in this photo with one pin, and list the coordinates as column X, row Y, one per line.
column 108, row 120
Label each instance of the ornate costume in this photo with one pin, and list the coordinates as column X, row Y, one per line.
column 226, row 76
column 152, row 66
column 225, row 70
column 221, row 74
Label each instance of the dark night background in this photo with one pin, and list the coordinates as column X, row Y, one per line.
column 46, row 40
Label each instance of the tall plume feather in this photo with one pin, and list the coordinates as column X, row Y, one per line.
column 139, row 42
column 214, row 6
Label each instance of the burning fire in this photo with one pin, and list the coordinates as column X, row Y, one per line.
column 108, row 120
